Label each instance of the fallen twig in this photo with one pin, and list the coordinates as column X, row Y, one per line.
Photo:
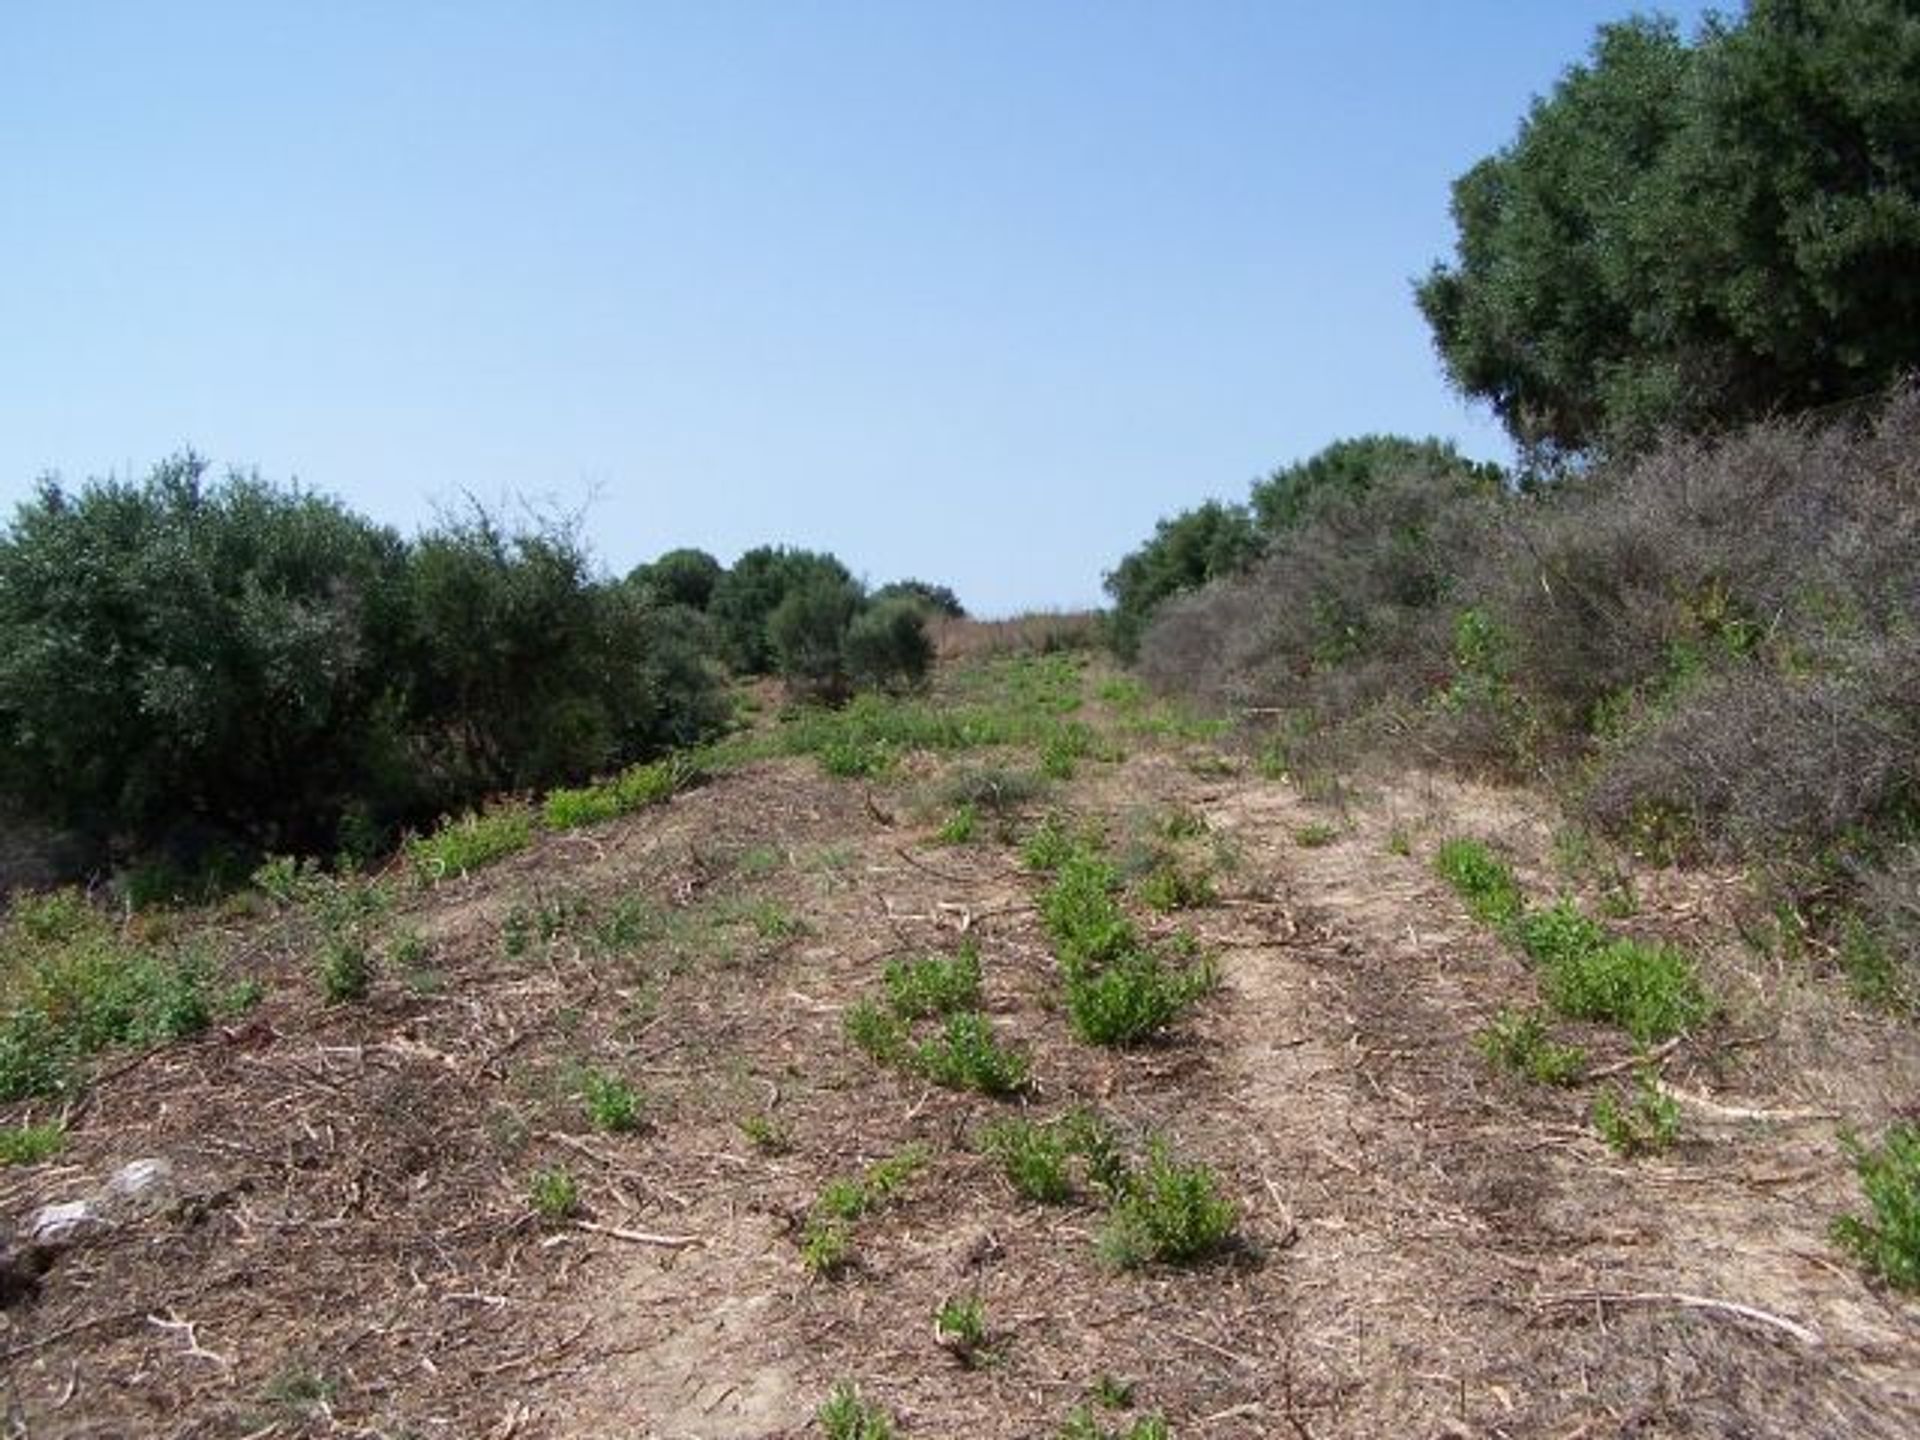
column 1688, row 1302
column 640, row 1237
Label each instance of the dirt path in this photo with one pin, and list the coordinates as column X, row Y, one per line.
column 1424, row 1248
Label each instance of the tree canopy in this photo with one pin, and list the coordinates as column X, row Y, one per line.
column 1693, row 235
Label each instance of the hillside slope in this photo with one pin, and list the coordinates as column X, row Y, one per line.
column 351, row 1241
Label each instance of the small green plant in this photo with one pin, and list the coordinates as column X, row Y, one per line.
column 1048, row 847
column 1645, row 1122
column 965, row 1056
column 1081, row 1424
column 1170, row 886
column 934, row 985
column 1399, row 842
column 959, row 826
column 1170, row 1212
column 1649, row 990
column 826, row 1241
column 961, row 1324
column 1133, row 999
column 845, row 1416
column 632, row 789
column 1888, row 1244
column 1517, row 1041
column 1871, row 968
column 346, row 968
column 1086, row 922
column 826, row 1246
column 1484, row 881
column 555, row 1194
column 1315, row 836
column 1110, row 1392
column 30, row 1144
column 766, row 1134
column 876, row 1031
column 1034, row 1157
column 304, row 1391
column 610, row 1101
column 475, row 839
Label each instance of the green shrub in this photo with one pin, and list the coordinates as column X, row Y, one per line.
column 887, row 646
column 876, row 1031
column 1171, row 1212
column 1170, row 886
column 934, row 985
column 30, row 1144
column 1558, row 935
column 1645, row 1122
column 744, row 599
column 1034, row 1157
column 610, row 1101
column 1085, row 921
column 555, row 1194
column 1650, row 991
column 1486, row 883
column 72, row 985
column 475, row 839
column 958, row 828
column 808, row 632
column 346, row 968
column 965, row 1056
column 845, row 1416
column 1048, row 847
column 1133, row 998
column 1888, row 1244
column 1517, row 1040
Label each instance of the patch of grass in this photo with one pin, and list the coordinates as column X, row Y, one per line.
column 1087, row 924
column 464, row 845
column 1649, row 990
column 845, row 1416
column 826, row 1242
column 1112, row 1393
column 1887, row 1244
column 304, row 1391
column 1082, row 1424
column 632, row 789
column 1873, row 971
column 1049, row 846
column 1315, row 836
column 346, row 968
column 1034, row 1157
column 1134, row 998
column 990, row 789
column 1643, row 1122
column 935, row 984
column 1482, row 879
column 1558, row 935
column 767, row 1134
column 1063, row 747
column 554, row 1194
column 73, row 984
column 826, row 1246
column 1399, row 842
column 760, row 861
column 1170, row 1213
column 1517, row 1041
column 30, row 1144
column 965, row 1056
column 958, row 828
column 611, row 1102
column 877, row 1031
column 961, row 1324
column 1171, row 886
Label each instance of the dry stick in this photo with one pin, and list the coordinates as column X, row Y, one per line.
column 1689, row 1302
column 640, row 1237
column 1652, row 1057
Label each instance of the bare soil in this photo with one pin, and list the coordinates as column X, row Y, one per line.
column 1426, row 1248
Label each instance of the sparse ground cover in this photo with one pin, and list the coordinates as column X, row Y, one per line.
column 752, row 1109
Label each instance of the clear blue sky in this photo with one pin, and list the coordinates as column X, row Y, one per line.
column 970, row 291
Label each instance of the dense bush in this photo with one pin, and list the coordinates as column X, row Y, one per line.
column 745, row 598
column 937, row 600
column 1695, row 235
column 186, row 663
column 887, row 645
column 1185, row 552
column 808, row 633
column 679, row 577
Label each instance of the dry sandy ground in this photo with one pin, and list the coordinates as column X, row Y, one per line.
column 1425, row 1248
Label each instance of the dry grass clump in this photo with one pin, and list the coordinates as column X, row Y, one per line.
column 1041, row 632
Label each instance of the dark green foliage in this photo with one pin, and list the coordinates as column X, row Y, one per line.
column 683, row 577
column 1887, row 1244
column 186, row 664
column 1287, row 497
column 1185, row 552
column 745, row 598
column 1695, row 234
column 808, row 633
column 177, row 654
column 964, row 1055
column 886, row 646
column 1169, row 1212
column 934, row 599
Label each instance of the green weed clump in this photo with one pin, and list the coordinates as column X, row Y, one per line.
column 1645, row 1122
column 965, row 1056
column 73, row 984
column 632, row 789
column 611, row 1102
column 1169, row 1212
column 845, row 1416
column 555, row 1194
column 1888, row 1244
column 1485, row 882
column 1650, row 991
column 30, row 1144
column 1087, row 924
column 1170, row 886
column 877, row 1031
column 958, row 828
column 961, row 1324
column 1517, row 1041
column 1038, row 1157
column 476, row 839
column 934, row 985
column 1049, row 846
column 826, row 1242
column 1082, row 1424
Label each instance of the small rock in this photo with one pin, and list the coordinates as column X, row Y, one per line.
column 141, row 1185
column 54, row 1227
